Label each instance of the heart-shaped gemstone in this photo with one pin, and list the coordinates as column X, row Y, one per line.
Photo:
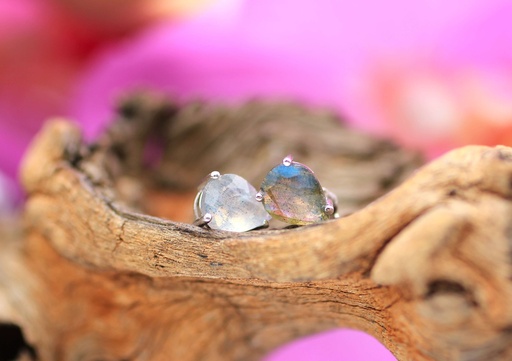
column 292, row 194
column 231, row 201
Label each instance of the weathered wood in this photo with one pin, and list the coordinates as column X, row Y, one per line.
column 426, row 268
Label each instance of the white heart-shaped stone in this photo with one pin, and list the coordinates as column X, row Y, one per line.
column 231, row 201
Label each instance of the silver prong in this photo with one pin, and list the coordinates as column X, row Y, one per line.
column 204, row 220
column 332, row 203
column 212, row 175
column 287, row 161
column 259, row 196
column 329, row 209
column 265, row 224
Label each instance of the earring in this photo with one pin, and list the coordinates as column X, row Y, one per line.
column 291, row 193
column 228, row 203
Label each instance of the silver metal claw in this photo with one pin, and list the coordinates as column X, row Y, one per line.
column 204, row 220
column 287, row 161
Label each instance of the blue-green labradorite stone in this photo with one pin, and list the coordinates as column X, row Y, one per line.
column 231, row 201
column 292, row 194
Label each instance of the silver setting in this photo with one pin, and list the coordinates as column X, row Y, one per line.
column 209, row 218
column 204, row 220
column 197, row 202
column 332, row 203
column 288, row 160
column 329, row 209
column 259, row 196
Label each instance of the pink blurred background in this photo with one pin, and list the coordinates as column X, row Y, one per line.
column 431, row 74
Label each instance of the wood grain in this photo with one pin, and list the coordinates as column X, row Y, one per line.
column 425, row 267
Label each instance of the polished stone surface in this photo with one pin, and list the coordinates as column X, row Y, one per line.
column 292, row 194
column 231, row 201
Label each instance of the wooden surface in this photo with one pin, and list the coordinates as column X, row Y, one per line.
column 425, row 268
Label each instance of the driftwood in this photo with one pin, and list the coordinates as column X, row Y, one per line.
column 96, row 275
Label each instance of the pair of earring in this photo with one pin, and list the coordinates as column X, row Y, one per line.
column 290, row 193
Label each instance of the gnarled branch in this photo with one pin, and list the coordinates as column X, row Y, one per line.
column 426, row 268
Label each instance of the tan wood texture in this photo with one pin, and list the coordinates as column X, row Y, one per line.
column 425, row 267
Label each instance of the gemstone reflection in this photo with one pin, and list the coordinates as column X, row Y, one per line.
column 292, row 194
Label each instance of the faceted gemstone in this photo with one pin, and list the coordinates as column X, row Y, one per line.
column 293, row 195
column 231, row 201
